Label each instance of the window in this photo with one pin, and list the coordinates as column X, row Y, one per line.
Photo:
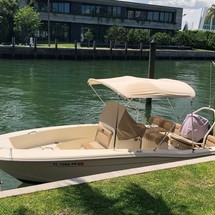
column 116, row 12
column 85, row 9
column 60, row 31
column 130, row 14
column 150, row 16
column 138, row 14
column 144, row 15
column 168, row 17
column 88, row 9
column 162, row 16
column 100, row 10
column 105, row 11
column 60, row 7
column 41, row 6
column 156, row 16
column 159, row 16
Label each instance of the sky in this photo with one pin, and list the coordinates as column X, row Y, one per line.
column 179, row 3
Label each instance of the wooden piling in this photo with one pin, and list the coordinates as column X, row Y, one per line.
column 56, row 49
column 151, row 67
column 35, row 48
column 76, row 50
column 126, row 50
column 111, row 49
column 13, row 47
column 152, row 54
column 94, row 49
column 141, row 51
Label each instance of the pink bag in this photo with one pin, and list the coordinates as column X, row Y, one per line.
column 194, row 127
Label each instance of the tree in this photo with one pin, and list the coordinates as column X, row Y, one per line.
column 26, row 22
column 211, row 13
column 131, row 36
column 162, row 38
column 211, row 41
column 182, row 38
column 143, row 36
column 88, row 36
column 137, row 36
column 195, row 39
column 116, row 34
column 7, row 11
column 200, row 40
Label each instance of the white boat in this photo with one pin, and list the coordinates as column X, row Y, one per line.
column 116, row 142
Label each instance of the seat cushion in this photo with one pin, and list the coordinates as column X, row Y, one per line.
column 93, row 145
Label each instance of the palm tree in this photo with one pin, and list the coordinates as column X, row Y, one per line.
column 31, row 2
column 210, row 16
column 211, row 12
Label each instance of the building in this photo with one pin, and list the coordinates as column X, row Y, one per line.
column 68, row 20
column 195, row 19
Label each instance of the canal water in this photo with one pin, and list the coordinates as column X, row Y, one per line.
column 40, row 93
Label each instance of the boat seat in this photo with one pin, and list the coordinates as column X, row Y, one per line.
column 153, row 138
column 210, row 141
column 181, row 142
column 162, row 124
column 156, row 135
column 177, row 128
column 102, row 139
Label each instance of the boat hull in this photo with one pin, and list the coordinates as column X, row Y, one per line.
column 47, row 171
column 57, row 153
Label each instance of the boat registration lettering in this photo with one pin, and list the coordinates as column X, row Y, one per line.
column 68, row 164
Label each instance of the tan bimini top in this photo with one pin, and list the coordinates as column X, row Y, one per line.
column 135, row 87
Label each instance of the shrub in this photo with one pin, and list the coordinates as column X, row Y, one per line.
column 162, row 38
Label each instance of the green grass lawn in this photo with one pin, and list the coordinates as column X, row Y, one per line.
column 61, row 45
column 186, row 190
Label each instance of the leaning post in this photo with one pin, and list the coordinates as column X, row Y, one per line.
column 151, row 68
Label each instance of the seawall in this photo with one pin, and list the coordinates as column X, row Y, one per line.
column 25, row 52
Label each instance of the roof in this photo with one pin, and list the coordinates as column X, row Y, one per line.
column 136, row 87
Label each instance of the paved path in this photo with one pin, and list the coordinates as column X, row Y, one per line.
column 99, row 177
